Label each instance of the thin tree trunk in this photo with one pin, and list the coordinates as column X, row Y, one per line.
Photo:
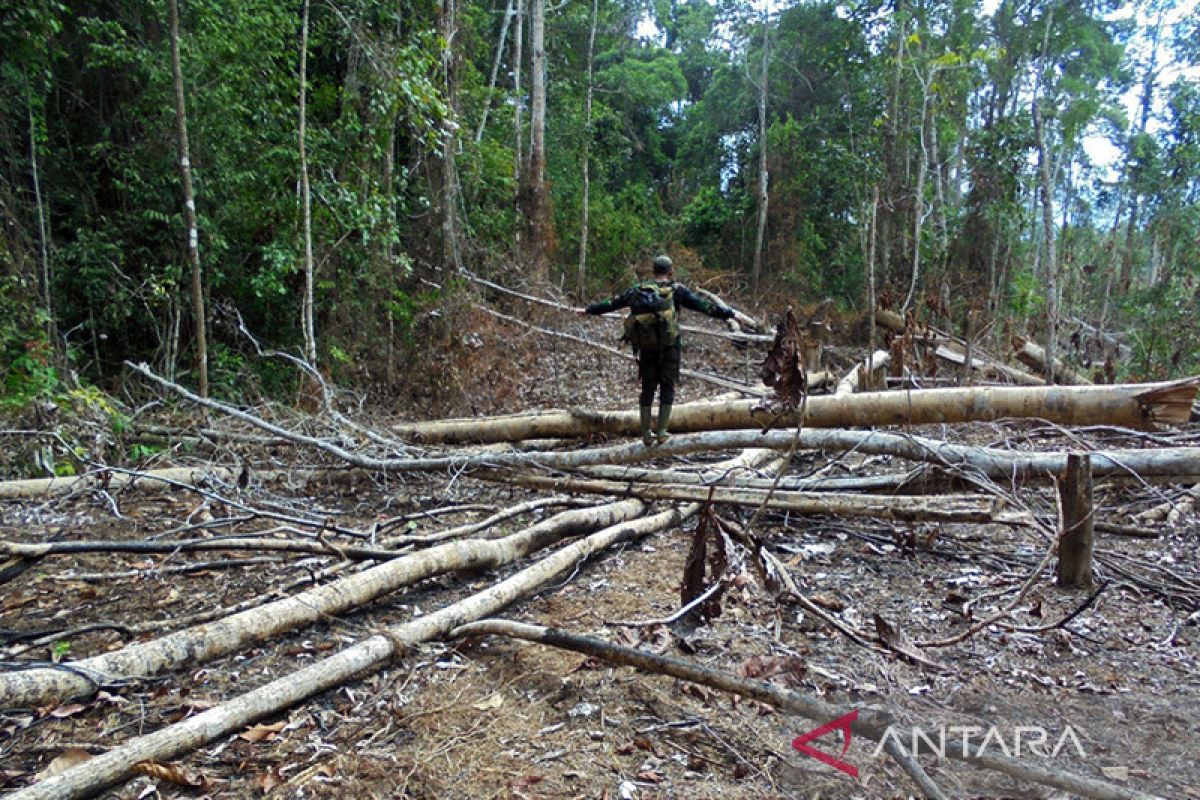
column 509, row 10
column 519, row 176
column 539, row 211
column 1047, row 201
column 919, row 198
column 43, row 226
column 448, row 28
column 763, row 177
column 189, row 206
column 310, row 333
column 587, row 148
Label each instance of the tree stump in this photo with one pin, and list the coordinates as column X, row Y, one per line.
column 1076, row 541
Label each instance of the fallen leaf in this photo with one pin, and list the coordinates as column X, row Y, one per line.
column 64, row 761
column 1116, row 773
column 68, row 710
column 525, row 781
column 266, row 781
column 262, row 733
column 171, row 773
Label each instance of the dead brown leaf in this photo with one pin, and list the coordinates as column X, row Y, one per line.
column 171, row 773
column 262, row 733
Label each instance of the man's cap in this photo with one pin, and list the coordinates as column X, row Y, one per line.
column 662, row 265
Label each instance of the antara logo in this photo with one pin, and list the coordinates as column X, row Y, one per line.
column 1030, row 739
column 842, row 724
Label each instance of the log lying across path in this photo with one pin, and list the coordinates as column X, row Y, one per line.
column 116, row 765
column 1131, row 405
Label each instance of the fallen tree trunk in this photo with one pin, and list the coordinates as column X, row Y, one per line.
column 156, row 480
column 870, row 724
column 943, row 508
column 858, row 377
column 954, row 350
column 116, row 765
column 1034, row 355
column 1129, row 405
column 40, row 685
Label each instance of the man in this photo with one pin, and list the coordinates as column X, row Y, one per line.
column 653, row 331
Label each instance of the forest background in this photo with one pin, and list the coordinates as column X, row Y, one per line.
column 934, row 156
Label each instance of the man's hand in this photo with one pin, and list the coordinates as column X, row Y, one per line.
column 580, row 312
column 731, row 323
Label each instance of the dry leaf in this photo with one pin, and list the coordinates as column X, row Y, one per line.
column 266, row 781
column 171, row 773
column 525, row 781
column 64, row 761
column 262, row 733
column 68, row 710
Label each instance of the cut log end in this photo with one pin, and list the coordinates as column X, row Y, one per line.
column 1170, row 405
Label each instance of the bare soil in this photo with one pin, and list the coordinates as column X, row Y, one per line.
column 504, row 719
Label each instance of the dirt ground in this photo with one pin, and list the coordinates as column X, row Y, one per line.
column 1115, row 685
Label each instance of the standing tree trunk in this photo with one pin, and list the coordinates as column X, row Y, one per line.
column 43, row 226
column 310, row 332
column 539, row 203
column 919, row 191
column 189, row 205
column 448, row 28
column 763, row 177
column 587, row 145
column 1047, row 199
column 1148, row 81
column 518, row 144
column 509, row 10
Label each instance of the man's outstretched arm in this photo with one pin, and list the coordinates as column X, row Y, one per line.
column 688, row 299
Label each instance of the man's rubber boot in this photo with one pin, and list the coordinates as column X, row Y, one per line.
column 664, row 417
column 647, row 439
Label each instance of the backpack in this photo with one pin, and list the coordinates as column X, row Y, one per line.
column 652, row 323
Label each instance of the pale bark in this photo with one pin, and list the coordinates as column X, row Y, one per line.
column 1130, row 405
column 189, row 206
column 157, row 480
column 43, row 225
column 943, row 508
column 509, row 12
column 763, row 176
column 39, row 686
column 448, row 29
column 954, row 350
column 116, row 765
column 587, row 151
column 309, row 328
column 539, row 210
column 861, row 374
column 1032, row 354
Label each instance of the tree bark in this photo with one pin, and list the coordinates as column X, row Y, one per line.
column 189, row 206
column 309, row 327
column 509, row 11
column 116, row 765
column 943, row 508
column 1075, row 545
column 763, row 177
column 1131, row 405
column 82, row 678
column 862, row 374
column 1032, row 354
column 539, row 211
column 587, row 150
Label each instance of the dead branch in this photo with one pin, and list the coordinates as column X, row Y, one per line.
column 869, row 724
column 860, row 375
column 41, row 685
column 115, row 765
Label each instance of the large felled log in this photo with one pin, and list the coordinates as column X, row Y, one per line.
column 1131, row 405
column 942, row 508
column 39, row 686
column 153, row 480
column 1034, row 355
column 116, row 765
column 954, row 350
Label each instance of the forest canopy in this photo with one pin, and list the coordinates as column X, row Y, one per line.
column 935, row 157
